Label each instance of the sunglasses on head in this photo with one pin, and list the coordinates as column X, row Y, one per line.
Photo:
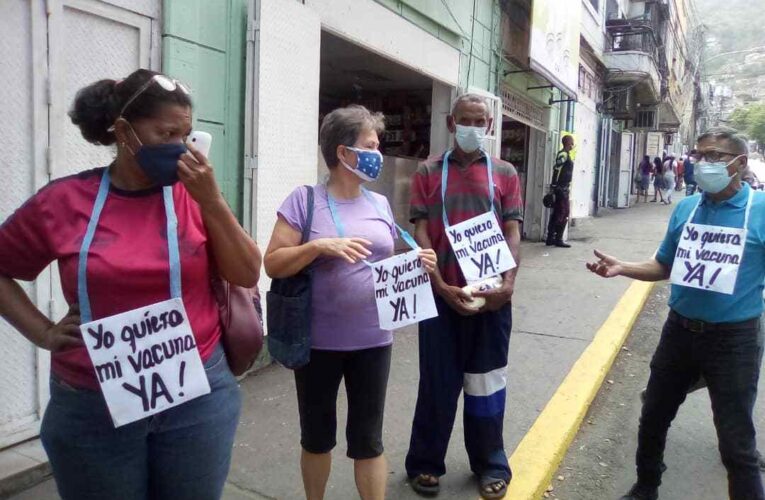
column 163, row 81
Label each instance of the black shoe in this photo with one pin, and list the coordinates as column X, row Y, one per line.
column 760, row 461
column 562, row 244
column 549, row 242
column 638, row 492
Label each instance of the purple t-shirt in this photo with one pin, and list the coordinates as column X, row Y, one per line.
column 343, row 312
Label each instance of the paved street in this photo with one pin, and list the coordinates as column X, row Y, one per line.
column 600, row 462
column 558, row 308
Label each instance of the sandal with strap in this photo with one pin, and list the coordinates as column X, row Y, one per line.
column 425, row 484
column 492, row 488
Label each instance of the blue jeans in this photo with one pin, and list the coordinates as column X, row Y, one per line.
column 182, row 453
column 729, row 360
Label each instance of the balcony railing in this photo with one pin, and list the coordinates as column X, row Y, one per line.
column 644, row 42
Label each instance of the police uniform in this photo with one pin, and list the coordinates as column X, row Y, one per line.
column 560, row 186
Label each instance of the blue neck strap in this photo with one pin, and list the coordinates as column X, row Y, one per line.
column 445, row 180
column 341, row 228
column 86, row 314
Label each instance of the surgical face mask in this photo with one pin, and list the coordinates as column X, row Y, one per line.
column 712, row 177
column 369, row 165
column 159, row 161
column 470, row 139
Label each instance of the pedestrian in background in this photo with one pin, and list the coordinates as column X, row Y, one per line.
column 645, row 170
column 670, row 171
column 183, row 452
column 680, row 173
column 688, row 174
column 350, row 226
column 713, row 328
column 560, row 186
column 658, row 180
column 464, row 347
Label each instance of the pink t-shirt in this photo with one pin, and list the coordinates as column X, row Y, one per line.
column 128, row 264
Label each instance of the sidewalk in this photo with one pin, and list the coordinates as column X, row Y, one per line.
column 600, row 464
column 558, row 307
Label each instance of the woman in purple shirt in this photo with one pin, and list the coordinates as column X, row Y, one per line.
column 347, row 341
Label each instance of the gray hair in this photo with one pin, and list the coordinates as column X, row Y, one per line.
column 470, row 98
column 733, row 136
column 343, row 126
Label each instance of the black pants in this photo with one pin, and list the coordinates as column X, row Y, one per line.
column 729, row 360
column 366, row 381
column 559, row 216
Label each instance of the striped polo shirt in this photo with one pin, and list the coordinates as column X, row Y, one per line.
column 467, row 196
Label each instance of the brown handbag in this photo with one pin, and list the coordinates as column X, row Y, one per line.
column 241, row 318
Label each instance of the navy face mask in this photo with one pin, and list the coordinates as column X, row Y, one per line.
column 159, row 161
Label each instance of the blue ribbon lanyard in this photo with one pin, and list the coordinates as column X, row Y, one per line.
column 445, row 180
column 86, row 313
column 341, row 228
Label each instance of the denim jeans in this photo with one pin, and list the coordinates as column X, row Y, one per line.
column 182, row 453
column 729, row 360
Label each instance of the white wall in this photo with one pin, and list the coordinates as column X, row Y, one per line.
column 379, row 29
column 586, row 127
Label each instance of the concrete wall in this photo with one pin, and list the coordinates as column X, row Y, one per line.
column 593, row 28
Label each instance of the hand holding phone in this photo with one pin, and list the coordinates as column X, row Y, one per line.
column 202, row 141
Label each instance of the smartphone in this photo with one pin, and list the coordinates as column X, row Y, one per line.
column 200, row 140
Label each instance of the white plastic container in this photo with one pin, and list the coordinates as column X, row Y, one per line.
column 481, row 286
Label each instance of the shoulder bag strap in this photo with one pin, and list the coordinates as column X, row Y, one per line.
column 308, row 216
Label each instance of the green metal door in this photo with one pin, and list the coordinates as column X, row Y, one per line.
column 203, row 45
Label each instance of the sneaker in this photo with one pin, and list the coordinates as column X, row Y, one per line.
column 638, row 492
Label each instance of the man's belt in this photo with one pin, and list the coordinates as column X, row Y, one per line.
column 698, row 326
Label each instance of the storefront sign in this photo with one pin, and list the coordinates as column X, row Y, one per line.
column 146, row 360
column 402, row 291
column 521, row 109
column 554, row 51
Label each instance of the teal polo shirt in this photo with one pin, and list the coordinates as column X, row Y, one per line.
column 746, row 302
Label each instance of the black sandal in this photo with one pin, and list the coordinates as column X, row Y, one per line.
column 488, row 490
column 422, row 485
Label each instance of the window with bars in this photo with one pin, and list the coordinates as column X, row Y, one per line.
column 645, row 119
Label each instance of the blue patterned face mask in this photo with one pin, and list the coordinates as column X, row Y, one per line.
column 370, row 163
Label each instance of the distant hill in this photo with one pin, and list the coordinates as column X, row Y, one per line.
column 733, row 25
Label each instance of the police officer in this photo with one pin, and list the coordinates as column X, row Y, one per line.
column 560, row 186
column 714, row 255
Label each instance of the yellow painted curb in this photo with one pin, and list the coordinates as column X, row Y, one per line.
column 541, row 450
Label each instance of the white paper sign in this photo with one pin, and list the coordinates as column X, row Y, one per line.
column 708, row 257
column 146, row 360
column 480, row 247
column 402, row 291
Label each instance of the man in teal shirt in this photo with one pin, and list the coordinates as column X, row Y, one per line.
column 714, row 254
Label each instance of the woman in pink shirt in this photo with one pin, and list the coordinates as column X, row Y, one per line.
column 128, row 252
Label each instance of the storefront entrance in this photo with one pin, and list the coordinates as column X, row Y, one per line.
column 351, row 74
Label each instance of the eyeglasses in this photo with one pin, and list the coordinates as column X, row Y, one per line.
column 713, row 156
column 163, row 81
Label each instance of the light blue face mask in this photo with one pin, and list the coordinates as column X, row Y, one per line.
column 369, row 165
column 712, row 177
column 470, row 139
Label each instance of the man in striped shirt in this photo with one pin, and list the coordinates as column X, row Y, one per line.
column 464, row 347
